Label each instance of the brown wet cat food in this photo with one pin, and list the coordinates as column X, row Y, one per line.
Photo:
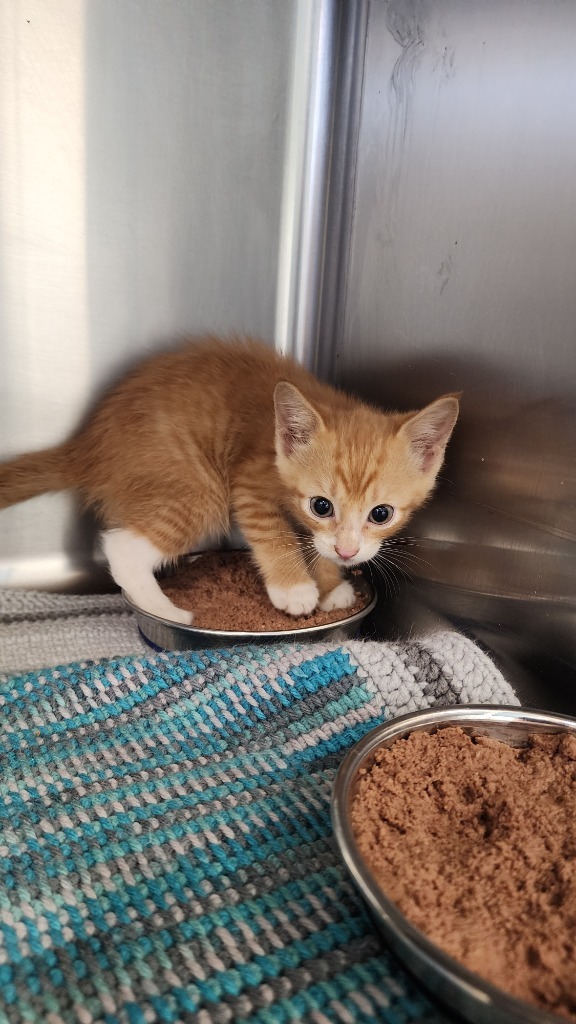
column 224, row 590
column 475, row 841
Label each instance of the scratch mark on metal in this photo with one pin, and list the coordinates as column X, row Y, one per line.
column 445, row 272
column 404, row 22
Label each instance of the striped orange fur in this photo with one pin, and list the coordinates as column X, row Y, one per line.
column 219, row 433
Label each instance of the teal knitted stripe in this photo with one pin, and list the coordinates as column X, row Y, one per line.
column 207, row 708
column 166, row 852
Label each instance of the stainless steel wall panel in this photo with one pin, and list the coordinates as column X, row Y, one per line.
column 460, row 275
column 307, row 159
column 465, row 221
column 162, row 172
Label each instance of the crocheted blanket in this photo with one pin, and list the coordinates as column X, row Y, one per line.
column 166, row 853
column 38, row 628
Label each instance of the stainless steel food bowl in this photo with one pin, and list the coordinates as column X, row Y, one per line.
column 172, row 636
column 466, row 993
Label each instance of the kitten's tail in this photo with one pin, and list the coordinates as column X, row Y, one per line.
column 35, row 473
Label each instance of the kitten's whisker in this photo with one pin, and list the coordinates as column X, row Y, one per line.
column 399, row 542
column 392, row 569
column 397, row 546
column 391, row 558
column 415, row 561
column 396, row 558
column 387, row 577
column 286, row 562
column 398, row 561
column 315, row 557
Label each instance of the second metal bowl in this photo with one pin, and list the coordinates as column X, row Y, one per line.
column 466, row 993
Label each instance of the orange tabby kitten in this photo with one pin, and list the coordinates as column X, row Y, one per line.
column 219, row 433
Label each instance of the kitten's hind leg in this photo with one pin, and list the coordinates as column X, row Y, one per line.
column 132, row 559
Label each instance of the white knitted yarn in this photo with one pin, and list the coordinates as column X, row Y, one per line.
column 40, row 630
column 445, row 667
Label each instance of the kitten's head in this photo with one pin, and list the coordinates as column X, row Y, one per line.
column 356, row 476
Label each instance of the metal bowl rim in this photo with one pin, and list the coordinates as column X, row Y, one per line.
column 245, row 634
column 474, row 986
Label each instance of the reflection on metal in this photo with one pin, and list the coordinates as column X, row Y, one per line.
column 461, row 276
column 347, row 119
column 306, row 178
column 163, row 172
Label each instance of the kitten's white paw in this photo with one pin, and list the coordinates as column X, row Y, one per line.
column 298, row 600
column 342, row 596
column 161, row 605
column 180, row 615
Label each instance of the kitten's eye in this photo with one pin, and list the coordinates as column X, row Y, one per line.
column 321, row 507
column 381, row 514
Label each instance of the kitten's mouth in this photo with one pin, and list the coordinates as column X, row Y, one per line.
column 349, row 563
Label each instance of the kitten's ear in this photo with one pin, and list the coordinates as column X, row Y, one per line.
column 428, row 431
column 296, row 420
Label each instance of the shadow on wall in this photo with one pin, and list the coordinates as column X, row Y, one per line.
column 495, row 553
column 506, row 499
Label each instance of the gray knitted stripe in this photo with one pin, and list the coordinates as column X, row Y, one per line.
column 316, row 908
column 165, row 842
column 227, row 1008
column 27, row 605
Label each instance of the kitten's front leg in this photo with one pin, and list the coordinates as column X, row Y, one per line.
column 279, row 556
column 334, row 591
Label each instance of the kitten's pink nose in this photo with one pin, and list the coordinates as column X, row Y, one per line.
column 346, row 552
